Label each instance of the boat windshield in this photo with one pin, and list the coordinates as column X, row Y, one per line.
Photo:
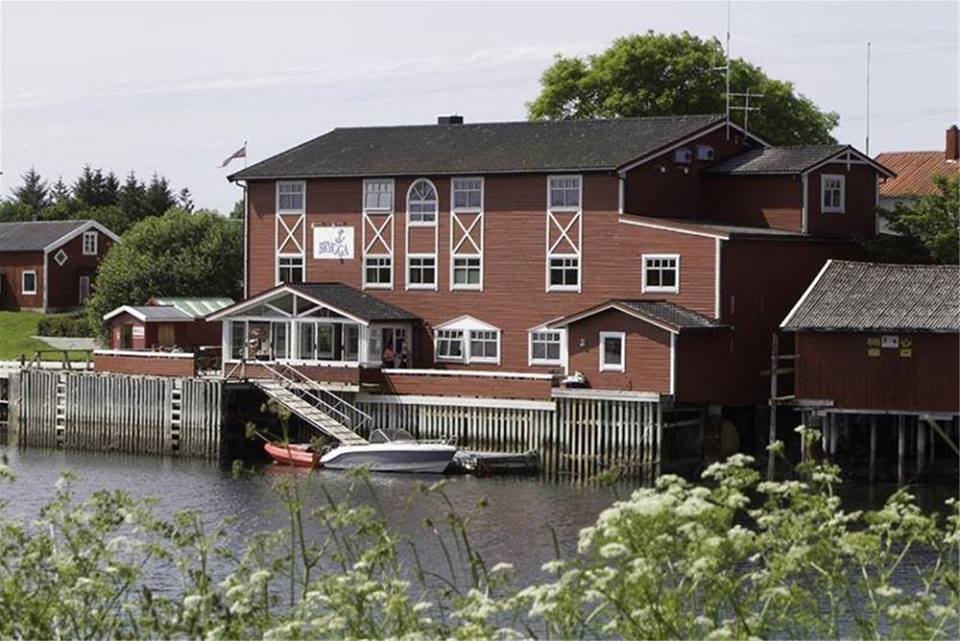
column 390, row 435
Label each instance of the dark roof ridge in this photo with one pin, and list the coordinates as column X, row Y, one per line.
column 557, row 121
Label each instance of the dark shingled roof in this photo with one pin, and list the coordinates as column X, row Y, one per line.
column 353, row 301
column 879, row 297
column 35, row 236
column 776, row 160
column 671, row 314
column 485, row 148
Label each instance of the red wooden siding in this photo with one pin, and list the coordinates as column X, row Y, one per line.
column 757, row 201
column 646, row 358
column 499, row 387
column 12, row 266
column 761, row 280
column 188, row 335
column 64, row 289
column 838, row 367
column 667, row 189
column 859, row 215
column 145, row 366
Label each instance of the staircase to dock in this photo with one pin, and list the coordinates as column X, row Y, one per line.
column 323, row 410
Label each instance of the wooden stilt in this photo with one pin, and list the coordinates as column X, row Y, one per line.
column 774, row 362
column 921, row 446
column 834, row 434
column 933, row 445
column 901, row 448
column 873, row 449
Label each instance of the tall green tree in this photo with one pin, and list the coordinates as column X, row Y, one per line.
column 34, row 193
column 185, row 200
column 927, row 230
column 177, row 254
column 59, row 192
column 239, row 210
column 93, row 189
column 132, row 198
column 656, row 74
column 158, row 197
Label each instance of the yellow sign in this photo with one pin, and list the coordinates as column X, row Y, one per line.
column 873, row 341
column 873, row 352
column 906, row 342
column 906, row 353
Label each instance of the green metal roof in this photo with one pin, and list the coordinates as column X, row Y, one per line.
column 196, row 307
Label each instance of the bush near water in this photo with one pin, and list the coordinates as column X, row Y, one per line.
column 735, row 557
column 69, row 325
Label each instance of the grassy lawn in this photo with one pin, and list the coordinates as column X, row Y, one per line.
column 16, row 329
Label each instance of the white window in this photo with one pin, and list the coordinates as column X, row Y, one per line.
column 449, row 345
column 422, row 203
column 84, row 286
column 291, row 196
column 28, row 284
column 564, row 273
column 832, row 193
column 467, row 340
column 90, row 239
column 378, row 195
column 466, row 272
column 421, row 271
column 61, row 257
column 546, row 346
column 378, row 271
column 290, row 269
column 661, row 273
column 612, row 351
column 467, row 194
column 564, row 193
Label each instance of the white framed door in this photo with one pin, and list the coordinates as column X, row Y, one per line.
column 84, row 289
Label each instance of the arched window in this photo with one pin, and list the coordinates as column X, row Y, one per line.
column 422, row 203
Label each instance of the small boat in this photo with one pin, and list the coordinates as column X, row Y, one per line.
column 392, row 451
column 296, row 454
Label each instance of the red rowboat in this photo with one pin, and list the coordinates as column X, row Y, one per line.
column 296, row 454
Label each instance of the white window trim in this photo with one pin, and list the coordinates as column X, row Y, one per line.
column 80, row 299
column 363, row 197
column 382, row 232
column 96, row 244
column 302, row 210
column 454, row 286
column 23, row 283
column 658, row 289
column 622, row 336
column 561, row 361
column 575, row 224
column 467, row 325
column 303, row 265
column 453, row 200
column 565, row 288
column 467, row 240
column 843, row 193
column 368, row 285
column 429, row 286
column 436, row 214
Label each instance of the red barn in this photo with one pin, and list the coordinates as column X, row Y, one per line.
column 50, row 265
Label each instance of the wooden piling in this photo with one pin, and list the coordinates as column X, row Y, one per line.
column 901, row 448
column 921, row 446
column 872, row 474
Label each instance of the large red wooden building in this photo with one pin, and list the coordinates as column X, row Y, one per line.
column 50, row 265
column 643, row 256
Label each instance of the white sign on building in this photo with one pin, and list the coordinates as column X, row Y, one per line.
column 333, row 243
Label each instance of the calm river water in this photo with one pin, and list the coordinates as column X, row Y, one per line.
column 515, row 526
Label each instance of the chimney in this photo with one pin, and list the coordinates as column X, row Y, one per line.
column 452, row 119
column 953, row 144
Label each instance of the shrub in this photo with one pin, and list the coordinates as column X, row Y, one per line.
column 736, row 558
column 71, row 325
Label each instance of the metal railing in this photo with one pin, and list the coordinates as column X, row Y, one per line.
column 38, row 360
column 299, row 383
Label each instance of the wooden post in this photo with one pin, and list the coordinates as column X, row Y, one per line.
column 873, row 449
column 901, row 448
column 834, row 434
column 921, row 446
column 774, row 361
column 933, row 445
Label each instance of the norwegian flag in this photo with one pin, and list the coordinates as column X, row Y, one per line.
column 239, row 153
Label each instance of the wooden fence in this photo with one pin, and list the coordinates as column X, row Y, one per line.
column 140, row 414
column 577, row 437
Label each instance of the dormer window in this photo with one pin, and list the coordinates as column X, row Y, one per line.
column 832, row 194
column 422, row 203
column 291, row 196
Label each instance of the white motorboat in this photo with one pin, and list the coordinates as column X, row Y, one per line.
column 392, row 451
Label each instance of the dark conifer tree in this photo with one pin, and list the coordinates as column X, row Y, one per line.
column 158, row 198
column 34, row 193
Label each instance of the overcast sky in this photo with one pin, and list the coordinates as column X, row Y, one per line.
column 176, row 87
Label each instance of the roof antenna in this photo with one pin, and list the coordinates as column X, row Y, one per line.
column 726, row 68
column 867, row 142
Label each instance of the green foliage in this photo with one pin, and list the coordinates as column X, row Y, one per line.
column 72, row 325
column 17, row 330
column 94, row 195
column 238, row 211
column 177, row 254
column 736, row 558
column 672, row 74
column 929, row 228
column 33, row 194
